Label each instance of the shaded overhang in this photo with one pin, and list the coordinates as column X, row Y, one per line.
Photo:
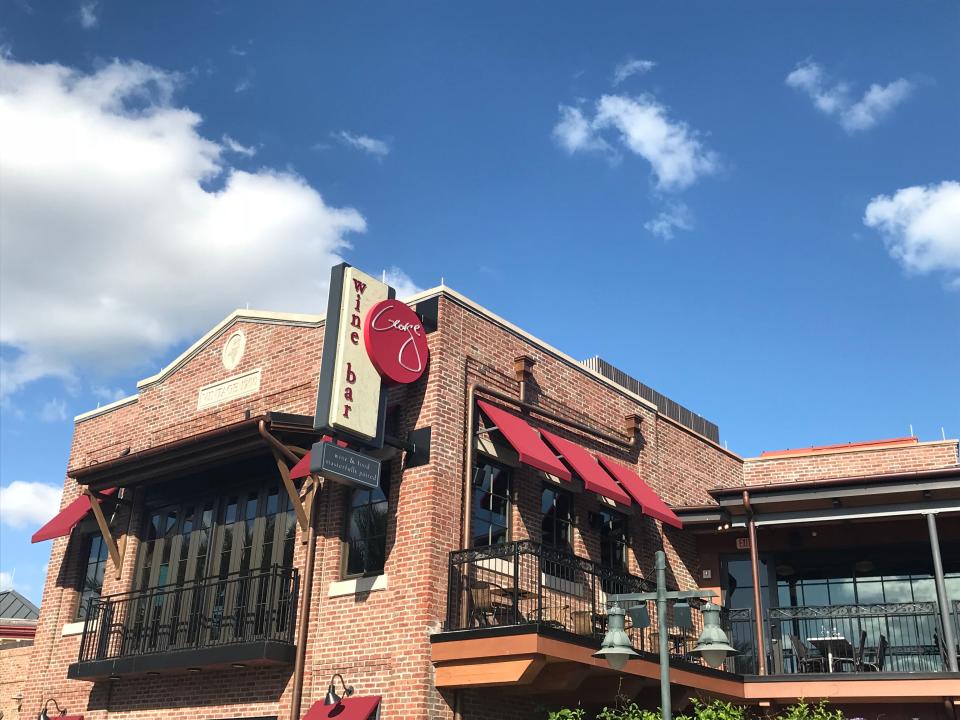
column 846, row 498
column 228, row 443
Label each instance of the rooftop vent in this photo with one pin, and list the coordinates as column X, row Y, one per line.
column 668, row 407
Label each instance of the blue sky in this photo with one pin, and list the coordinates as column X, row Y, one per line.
column 752, row 208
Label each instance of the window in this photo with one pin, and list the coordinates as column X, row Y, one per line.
column 490, row 523
column 366, row 541
column 229, row 529
column 92, row 581
column 613, row 540
column 557, row 526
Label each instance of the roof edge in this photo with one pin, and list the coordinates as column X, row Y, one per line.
column 848, row 448
column 129, row 400
column 239, row 315
column 848, row 480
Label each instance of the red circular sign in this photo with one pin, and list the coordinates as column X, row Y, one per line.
column 396, row 342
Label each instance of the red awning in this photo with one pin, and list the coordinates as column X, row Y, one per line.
column 644, row 495
column 354, row 708
column 595, row 479
column 66, row 519
column 301, row 469
column 525, row 441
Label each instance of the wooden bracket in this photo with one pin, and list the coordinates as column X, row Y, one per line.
column 295, row 500
column 116, row 553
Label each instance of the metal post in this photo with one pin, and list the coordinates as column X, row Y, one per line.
column 946, row 635
column 755, row 571
column 661, row 566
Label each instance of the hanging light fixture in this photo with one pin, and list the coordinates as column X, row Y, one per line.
column 616, row 648
column 43, row 713
column 713, row 645
column 332, row 698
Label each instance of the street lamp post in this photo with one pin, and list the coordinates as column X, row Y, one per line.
column 616, row 648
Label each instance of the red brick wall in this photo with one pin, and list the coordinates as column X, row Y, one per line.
column 843, row 463
column 14, row 668
column 380, row 640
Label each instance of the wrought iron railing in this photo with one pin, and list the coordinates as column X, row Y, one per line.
column 238, row 608
column 524, row 583
column 910, row 633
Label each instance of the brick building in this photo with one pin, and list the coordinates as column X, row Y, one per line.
column 232, row 586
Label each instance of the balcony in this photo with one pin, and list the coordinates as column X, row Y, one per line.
column 523, row 587
column 844, row 640
column 236, row 621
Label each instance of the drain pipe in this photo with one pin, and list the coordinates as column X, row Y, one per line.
column 468, row 470
column 755, row 570
column 303, row 621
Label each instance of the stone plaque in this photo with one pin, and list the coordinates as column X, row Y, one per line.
column 232, row 388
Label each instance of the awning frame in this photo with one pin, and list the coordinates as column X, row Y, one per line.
column 114, row 549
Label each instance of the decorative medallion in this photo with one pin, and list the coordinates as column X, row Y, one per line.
column 233, row 349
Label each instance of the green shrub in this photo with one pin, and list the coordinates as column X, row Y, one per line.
column 699, row 710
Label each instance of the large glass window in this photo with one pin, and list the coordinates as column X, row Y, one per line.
column 366, row 546
column 490, row 524
column 228, row 531
column 613, row 540
column 557, row 525
column 91, row 583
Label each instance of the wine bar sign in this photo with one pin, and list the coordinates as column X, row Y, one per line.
column 350, row 397
column 370, row 341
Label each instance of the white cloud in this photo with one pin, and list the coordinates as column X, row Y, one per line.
column 642, row 126
column 921, row 227
column 574, row 133
column 235, row 147
column 88, row 15
column 123, row 230
column 54, row 410
column 243, row 85
column 631, row 67
column 377, row 148
column 401, row 282
column 833, row 98
column 23, row 504
column 676, row 217
column 6, row 580
column 108, row 394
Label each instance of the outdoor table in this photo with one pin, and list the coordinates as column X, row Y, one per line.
column 508, row 592
column 830, row 646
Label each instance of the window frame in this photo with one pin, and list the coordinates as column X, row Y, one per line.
column 386, row 472
column 571, row 523
column 87, row 544
column 509, row 497
column 623, row 543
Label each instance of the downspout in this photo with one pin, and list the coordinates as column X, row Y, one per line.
column 468, row 470
column 303, row 621
column 755, row 569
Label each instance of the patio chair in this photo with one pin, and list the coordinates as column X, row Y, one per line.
column 556, row 616
column 855, row 662
column 942, row 648
column 582, row 622
column 806, row 660
column 881, row 656
column 484, row 608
